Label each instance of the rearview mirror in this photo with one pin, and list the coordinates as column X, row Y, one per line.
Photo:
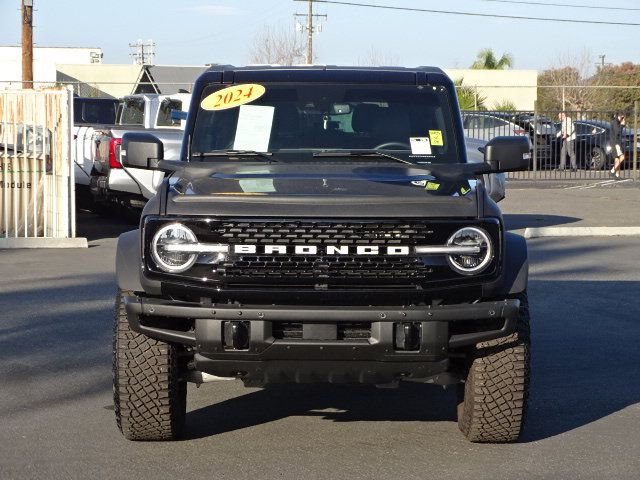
column 508, row 154
column 141, row 150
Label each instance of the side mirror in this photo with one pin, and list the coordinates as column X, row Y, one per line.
column 141, row 150
column 508, row 154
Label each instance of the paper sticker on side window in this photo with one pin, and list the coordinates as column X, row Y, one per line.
column 436, row 138
column 233, row 96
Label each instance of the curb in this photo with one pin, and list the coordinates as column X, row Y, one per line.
column 11, row 243
column 536, row 232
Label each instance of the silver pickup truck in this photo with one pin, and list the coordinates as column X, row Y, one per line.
column 110, row 181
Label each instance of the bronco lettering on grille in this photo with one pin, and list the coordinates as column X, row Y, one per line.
column 315, row 250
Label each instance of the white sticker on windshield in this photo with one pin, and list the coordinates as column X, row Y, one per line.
column 254, row 128
column 420, row 145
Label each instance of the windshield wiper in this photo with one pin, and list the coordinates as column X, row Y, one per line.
column 237, row 153
column 360, row 153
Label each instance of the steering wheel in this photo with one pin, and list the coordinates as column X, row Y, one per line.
column 390, row 144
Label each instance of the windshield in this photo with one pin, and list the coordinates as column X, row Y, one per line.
column 412, row 121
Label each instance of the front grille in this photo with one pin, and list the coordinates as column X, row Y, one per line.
column 312, row 233
column 345, row 330
column 323, row 269
column 326, row 268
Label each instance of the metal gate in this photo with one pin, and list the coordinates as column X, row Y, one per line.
column 37, row 195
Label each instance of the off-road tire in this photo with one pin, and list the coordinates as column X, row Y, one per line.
column 492, row 402
column 148, row 395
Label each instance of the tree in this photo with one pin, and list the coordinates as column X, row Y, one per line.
column 376, row 58
column 504, row 106
column 626, row 74
column 565, row 84
column 278, row 46
column 487, row 60
column 468, row 97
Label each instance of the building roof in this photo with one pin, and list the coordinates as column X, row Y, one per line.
column 170, row 79
column 101, row 79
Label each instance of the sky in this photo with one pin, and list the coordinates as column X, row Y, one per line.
column 196, row 32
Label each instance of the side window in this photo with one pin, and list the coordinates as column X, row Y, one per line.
column 474, row 122
column 493, row 122
column 167, row 106
column 581, row 128
column 132, row 112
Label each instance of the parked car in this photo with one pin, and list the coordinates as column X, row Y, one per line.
column 145, row 112
column 486, row 126
column 495, row 183
column 89, row 114
column 594, row 146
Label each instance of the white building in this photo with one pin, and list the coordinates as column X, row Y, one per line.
column 519, row 87
column 44, row 62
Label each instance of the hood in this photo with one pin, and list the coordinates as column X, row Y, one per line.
column 321, row 189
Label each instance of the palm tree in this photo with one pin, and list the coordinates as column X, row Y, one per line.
column 468, row 97
column 486, row 60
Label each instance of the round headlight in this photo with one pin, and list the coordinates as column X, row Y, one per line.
column 478, row 254
column 169, row 260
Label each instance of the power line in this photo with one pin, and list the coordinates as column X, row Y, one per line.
column 572, row 5
column 471, row 14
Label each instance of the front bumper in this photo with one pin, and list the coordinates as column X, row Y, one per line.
column 317, row 357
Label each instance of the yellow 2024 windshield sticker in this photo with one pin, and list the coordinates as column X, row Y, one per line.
column 233, row 96
column 436, row 138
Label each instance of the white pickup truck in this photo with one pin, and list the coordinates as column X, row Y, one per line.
column 143, row 112
column 89, row 115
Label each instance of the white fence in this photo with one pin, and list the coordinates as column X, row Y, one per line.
column 36, row 175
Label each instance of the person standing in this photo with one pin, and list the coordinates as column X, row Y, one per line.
column 617, row 125
column 568, row 134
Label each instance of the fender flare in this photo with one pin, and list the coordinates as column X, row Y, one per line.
column 128, row 261
column 516, row 264
column 515, row 274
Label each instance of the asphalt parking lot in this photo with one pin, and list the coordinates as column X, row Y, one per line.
column 56, row 408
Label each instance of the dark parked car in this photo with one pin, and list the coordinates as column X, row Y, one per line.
column 594, row 144
column 487, row 125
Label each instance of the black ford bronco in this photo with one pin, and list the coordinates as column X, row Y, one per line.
column 324, row 224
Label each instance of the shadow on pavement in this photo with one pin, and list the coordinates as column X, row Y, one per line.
column 584, row 367
column 519, row 221
column 55, row 346
column 338, row 403
column 97, row 227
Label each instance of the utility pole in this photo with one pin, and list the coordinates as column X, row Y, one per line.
column 143, row 53
column 310, row 29
column 602, row 63
column 27, row 43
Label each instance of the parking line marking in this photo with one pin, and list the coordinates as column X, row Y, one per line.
column 536, row 232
